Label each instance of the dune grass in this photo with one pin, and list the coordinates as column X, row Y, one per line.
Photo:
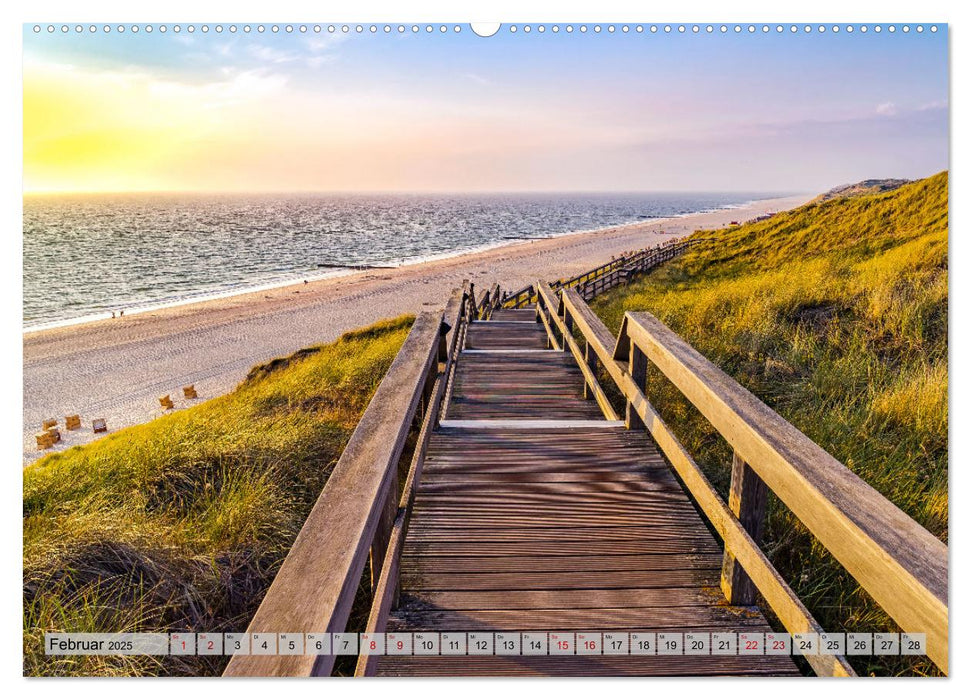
column 181, row 523
column 835, row 315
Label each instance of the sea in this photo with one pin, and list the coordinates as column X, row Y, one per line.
column 86, row 256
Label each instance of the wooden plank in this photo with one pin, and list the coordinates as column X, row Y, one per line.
column 651, row 505
column 514, row 315
column 569, row 580
column 586, row 513
column 507, row 351
column 898, row 562
column 495, row 470
column 494, row 335
column 560, row 599
column 607, row 563
column 506, row 478
column 542, row 385
column 607, row 492
column 539, row 534
column 532, row 424
column 650, row 542
column 316, row 584
column 466, row 522
column 587, row 496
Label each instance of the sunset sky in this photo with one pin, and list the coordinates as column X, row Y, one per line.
column 451, row 112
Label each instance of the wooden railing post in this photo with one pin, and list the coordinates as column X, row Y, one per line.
column 443, row 342
column 748, row 498
column 382, row 534
column 590, row 357
column 638, row 373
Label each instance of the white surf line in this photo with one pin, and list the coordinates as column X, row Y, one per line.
column 511, row 351
column 539, row 424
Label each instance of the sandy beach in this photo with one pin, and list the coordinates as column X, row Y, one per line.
column 117, row 368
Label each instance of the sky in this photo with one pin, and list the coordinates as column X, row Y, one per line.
column 793, row 112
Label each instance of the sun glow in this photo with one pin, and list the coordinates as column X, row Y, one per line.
column 119, row 131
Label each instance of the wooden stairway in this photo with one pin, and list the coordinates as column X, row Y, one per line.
column 534, row 513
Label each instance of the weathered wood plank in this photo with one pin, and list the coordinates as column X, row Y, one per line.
column 569, row 599
column 621, row 491
column 570, row 580
column 449, row 478
column 537, row 534
column 544, row 385
column 650, row 542
column 609, row 563
column 514, row 315
column 496, row 335
column 464, row 521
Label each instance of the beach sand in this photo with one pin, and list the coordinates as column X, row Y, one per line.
column 117, row 368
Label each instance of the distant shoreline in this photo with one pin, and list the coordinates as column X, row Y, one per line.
column 132, row 308
column 117, row 368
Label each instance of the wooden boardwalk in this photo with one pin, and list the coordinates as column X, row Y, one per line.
column 577, row 525
column 530, row 506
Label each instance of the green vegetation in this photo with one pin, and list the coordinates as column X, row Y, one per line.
column 181, row 523
column 834, row 314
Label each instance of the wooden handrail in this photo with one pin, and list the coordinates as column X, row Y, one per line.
column 386, row 589
column 777, row 593
column 899, row 563
column 315, row 587
column 548, row 305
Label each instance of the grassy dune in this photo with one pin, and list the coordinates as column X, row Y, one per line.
column 834, row 314
column 181, row 523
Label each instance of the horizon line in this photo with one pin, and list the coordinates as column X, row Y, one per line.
column 792, row 192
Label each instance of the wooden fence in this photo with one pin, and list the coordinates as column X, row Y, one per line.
column 609, row 275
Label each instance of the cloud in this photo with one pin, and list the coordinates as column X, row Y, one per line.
column 268, row 54
column 315, row 52
column 323, row 43
column 477, row 79
column 887, row 109
column 936, row 104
